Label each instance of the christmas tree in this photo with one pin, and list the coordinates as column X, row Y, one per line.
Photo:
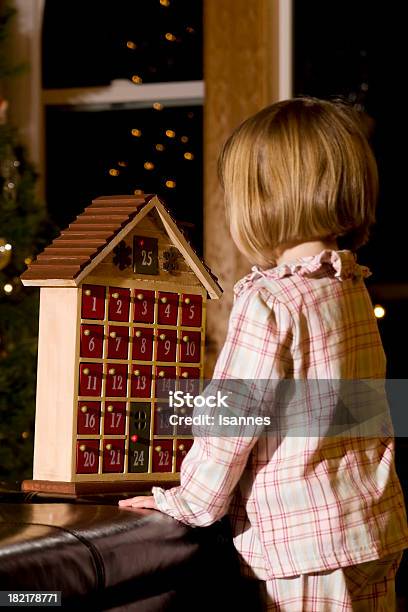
column 24, row 230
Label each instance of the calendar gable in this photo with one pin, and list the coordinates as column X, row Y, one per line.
column 125, row 237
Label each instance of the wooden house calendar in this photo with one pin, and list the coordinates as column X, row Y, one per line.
column 122, row 321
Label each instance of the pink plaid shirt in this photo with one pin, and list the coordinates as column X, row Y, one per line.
column 298, row 504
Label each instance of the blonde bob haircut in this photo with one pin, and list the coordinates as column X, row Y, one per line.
column 298, row 170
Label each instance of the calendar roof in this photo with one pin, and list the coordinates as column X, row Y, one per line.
column 78, row 249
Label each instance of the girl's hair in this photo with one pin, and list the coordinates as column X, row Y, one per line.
column 298, row 170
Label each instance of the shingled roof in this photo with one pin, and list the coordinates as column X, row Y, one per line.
column 100, row 227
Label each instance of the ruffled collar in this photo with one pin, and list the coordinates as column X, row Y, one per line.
column 340, row 264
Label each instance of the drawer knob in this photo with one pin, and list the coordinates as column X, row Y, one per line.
column 112, row 371
column 109, row 447
column 86, row 371
column 163, row 300
column 138, row 333
column 181, row 447
column 115, row 295
column 113, row 334
column 187, row 301
column 110, row 408
column 185, row 375
column 157, row 449
column 162, row 336
column 88, row 292
column 84, row 409
column 136, row 372
column 185, row 338
column 140, row 296
column 82, row 448
column 161, row 373
column 87, row 332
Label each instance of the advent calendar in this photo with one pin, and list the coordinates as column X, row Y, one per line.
column 122, row 323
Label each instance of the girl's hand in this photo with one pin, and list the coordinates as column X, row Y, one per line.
column 142, row 501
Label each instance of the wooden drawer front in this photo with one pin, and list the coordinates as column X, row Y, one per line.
column 114, row 418
column 116, row 380
column 118, row 342
column 143, row 306
column 161, row 424
column 182, row 448
column 139, row 437
column 165, row 380
column 138, row 457
column 93, row 302
column 182, row 428
column 113, row 455
column 166, row 345
column 191, row 310
column 167, row 308
column 189, row 380
column 87, row 456
column 91, row 341
column 141, row 380
column 89, row 415
column 190, row 346
column 142, row 349
column 162, row 460
column 119, row 304
column 90, row 379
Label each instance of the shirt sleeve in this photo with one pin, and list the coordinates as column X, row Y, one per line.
column 256, row 347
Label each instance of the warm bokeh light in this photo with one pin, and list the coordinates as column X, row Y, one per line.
column 379, row 311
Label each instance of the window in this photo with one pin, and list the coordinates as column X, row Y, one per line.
column 123, row 95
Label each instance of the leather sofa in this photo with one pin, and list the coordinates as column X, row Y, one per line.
column 102, row 557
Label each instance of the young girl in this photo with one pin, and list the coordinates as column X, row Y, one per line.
column 320, row 520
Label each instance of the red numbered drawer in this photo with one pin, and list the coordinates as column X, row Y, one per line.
column 142, row 344
column 119, row 303
column 162, row 425
column 190, row 346
column 162, row 455
column 87, row 456
column 115, row 418
column 113, row 455
column 91, row 340
column 141, row 381
column 165, row 380
column 191, row 310
column 118, row 342
column 116, row 380
column 189, row 380
column 89, row 414
column 182, row 448
column 90, row 379
column 168, row 308
column 166, row 345
column 144, row 306
column 93, row 302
